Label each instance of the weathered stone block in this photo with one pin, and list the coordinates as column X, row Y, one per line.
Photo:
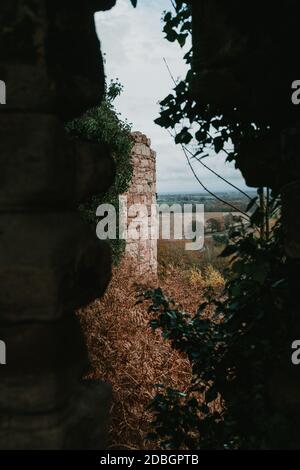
column 44, row 363
column 36, row 166
column 48, row 170
column 80, row 424
column 28, row 87
column 88, row 427
column 51, row 58
column 67, row 268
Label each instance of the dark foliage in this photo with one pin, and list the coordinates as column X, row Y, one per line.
column 235, row 350
column 233, row 353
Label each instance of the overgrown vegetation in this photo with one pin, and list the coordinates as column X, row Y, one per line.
column 232, row 353
column 103, row 125
column 235, row 342
column 172, row 254
column 131, row 357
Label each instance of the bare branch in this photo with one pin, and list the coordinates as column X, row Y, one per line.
column 236, row 209
column 170, row 73
column 185, row 150
column 218, row 175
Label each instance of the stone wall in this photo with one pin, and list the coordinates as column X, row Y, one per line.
column 51, row 263
column 142, row 190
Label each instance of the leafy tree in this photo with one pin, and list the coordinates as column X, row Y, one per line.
column 213, row 225
column 228, row 220
column 206, row 125
column 235, row 342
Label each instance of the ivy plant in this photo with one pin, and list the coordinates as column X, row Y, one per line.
column 103, row 124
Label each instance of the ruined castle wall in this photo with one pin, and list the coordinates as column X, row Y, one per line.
column 142, row 191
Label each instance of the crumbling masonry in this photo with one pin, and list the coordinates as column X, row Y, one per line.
column 142, row 191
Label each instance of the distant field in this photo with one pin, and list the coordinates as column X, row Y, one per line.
column 220, row 217
column 211, row 204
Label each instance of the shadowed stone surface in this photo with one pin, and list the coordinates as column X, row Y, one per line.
column 244, row 56
column 51, row 262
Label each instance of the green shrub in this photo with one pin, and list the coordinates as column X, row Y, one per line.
column 103, row 124
column 233, row 353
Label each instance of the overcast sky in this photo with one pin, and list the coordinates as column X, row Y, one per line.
column 135, row 46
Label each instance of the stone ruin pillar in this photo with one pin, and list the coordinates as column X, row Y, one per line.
column 142, row 191
column 51, row 263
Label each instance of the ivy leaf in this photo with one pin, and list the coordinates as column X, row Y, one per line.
column 164, row 121
column 238, row 267
column 260, row 275
column 218, row 144
column 184, row 137
column 225, row 134
column 167, row 100
column 181, row 38
column 171, row 34
column 180, row 88
column 230, row 157
column 211, row 395
column 201, row 135
column 228, row 250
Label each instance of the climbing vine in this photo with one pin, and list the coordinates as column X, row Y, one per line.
column 103, row 125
